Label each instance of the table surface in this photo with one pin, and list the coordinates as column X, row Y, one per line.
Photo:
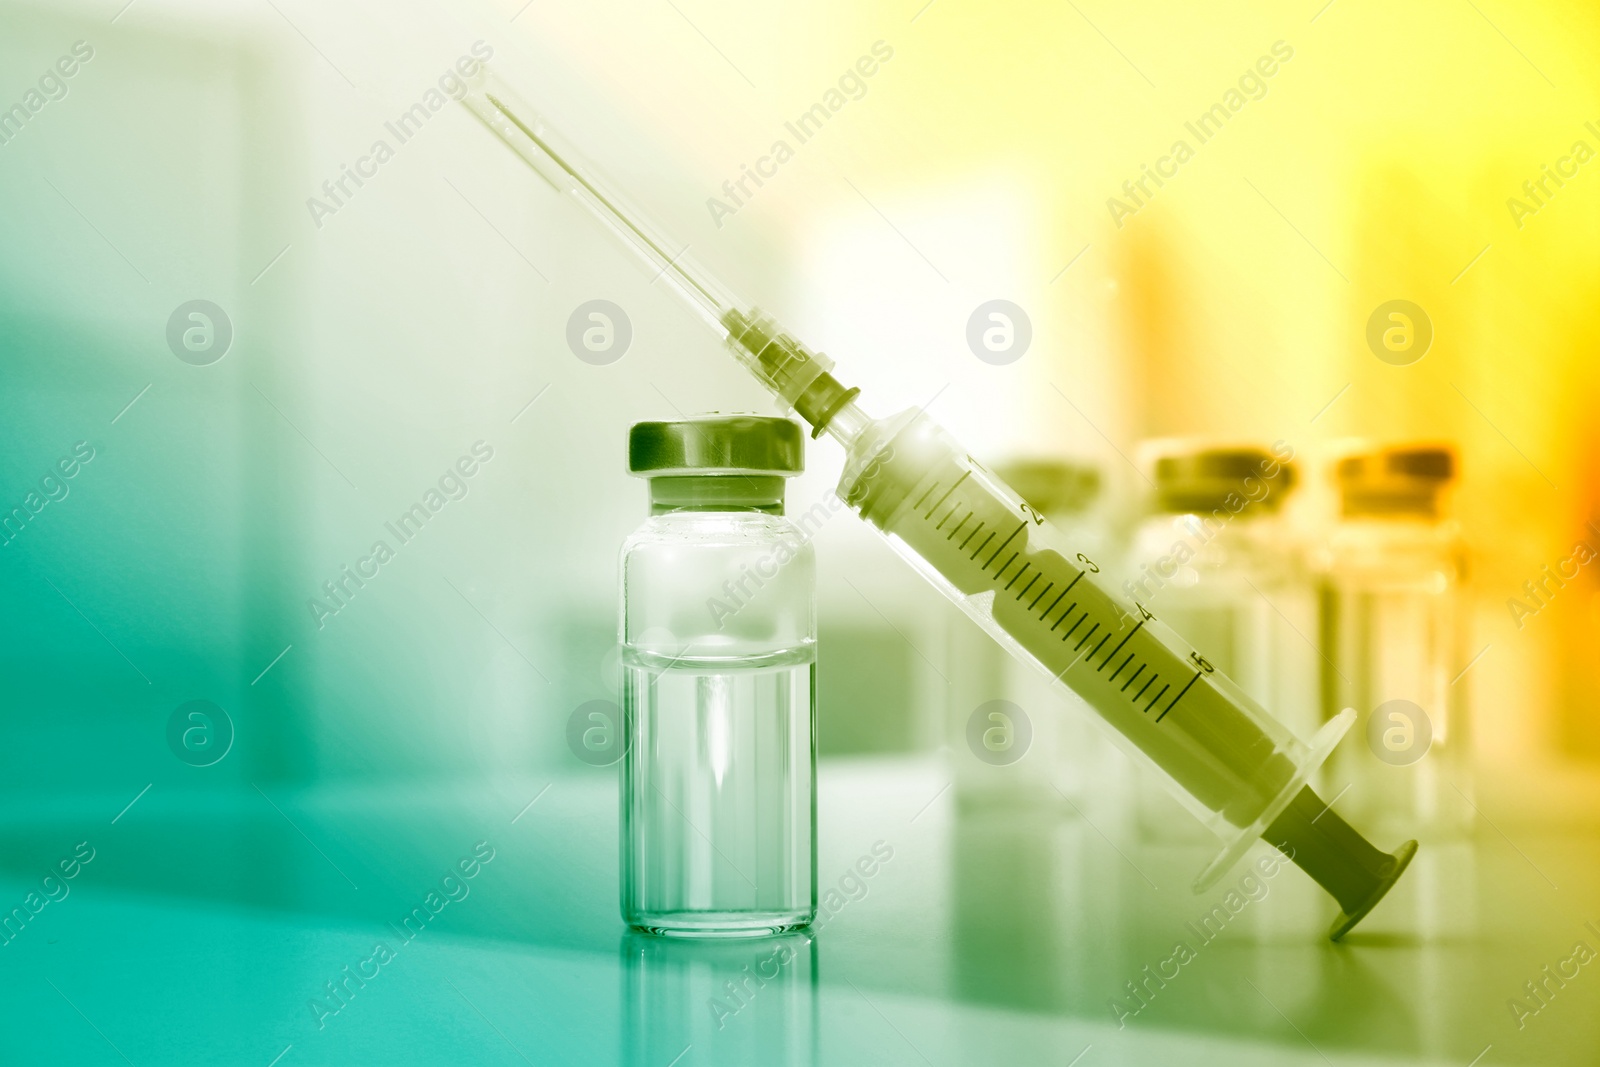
column 208, row 927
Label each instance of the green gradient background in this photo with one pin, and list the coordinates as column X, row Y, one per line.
column 372, row 352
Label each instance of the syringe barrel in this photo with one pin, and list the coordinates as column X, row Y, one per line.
column 1003, row 563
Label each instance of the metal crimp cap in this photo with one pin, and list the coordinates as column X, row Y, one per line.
column 717, row 444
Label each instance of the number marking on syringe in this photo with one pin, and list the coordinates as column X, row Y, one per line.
column 1015, row 576
column 1020, row 527
column 947, row 518
column 1147, row 679
column 947, row 492
column 1086, row 636
column 1114, row 652
column 1179, row 697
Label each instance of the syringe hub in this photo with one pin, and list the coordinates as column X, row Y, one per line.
column 799, row 376
column 1338, row 858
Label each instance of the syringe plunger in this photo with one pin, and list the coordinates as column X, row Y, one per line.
column 1336, row 856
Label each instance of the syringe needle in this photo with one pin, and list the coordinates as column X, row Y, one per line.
column 517, row 124
column 799, row 376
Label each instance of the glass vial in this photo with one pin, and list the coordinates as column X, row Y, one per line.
column 1390, row 622
column 718, row 641
column 1214, row 559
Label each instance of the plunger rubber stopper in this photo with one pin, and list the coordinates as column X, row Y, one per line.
column 1338, row 858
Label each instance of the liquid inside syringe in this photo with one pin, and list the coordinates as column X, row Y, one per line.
column 1001, row 560
column 1234, row 766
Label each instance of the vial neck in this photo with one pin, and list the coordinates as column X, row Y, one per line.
column 717, row 492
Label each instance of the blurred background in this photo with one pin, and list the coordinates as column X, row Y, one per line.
column 356, row 340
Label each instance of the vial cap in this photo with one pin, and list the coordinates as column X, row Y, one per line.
column 1424, row 463
column 1053, row 486
column 1202, row 478
column 1398, row 480
column 717, row 444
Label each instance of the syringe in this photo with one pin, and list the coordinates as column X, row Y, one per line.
column 1240, row 771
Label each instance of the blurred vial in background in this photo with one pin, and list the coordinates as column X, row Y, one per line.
column 1016, row 743
column 1391, row 628
column 1215, row 559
